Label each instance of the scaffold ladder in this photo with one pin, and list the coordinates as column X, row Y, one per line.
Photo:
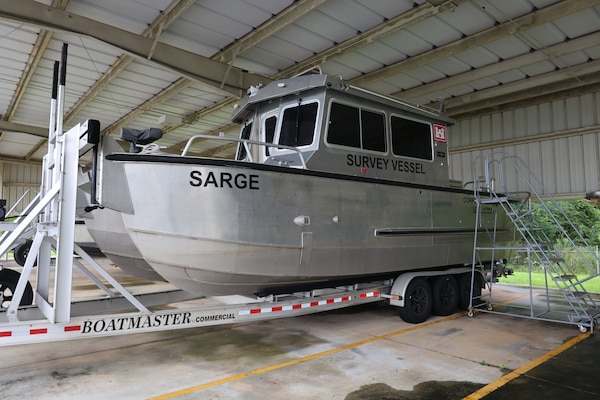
column 504, row 181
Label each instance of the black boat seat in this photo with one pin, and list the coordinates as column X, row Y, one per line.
column 140, row 137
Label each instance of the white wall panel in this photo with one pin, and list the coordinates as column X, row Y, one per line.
column 575, row 163
column 588, row 112
column 591, row 144
column 545, row 119
column 486, row 129
column 559, row 140
column 573, row 113
column 18, row 179
column 558, row 116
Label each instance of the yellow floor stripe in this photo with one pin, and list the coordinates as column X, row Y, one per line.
column 484, row 391
column 474, row 396
column 300, row 360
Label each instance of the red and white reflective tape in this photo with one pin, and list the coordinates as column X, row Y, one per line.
column 370, row 294
column 58, row 330
column 40, row 331
column 291, row 307
column 301, row 306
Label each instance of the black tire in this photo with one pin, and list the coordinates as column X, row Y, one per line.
column 21, row 251
column 445, row 295
column 418, row 302
column 8, row 284
column 464, row 288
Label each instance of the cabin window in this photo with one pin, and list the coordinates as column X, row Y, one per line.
column 241, row 153
column 298, row 125
column 411, row 138
column 354, row 127
column 270, row 126
column 373, row 131
column 344, row 125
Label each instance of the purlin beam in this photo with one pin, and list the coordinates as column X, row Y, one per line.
column 546, row 91
column 166, row 18
column 267, row 29
column 298, row 9
column 227, row 55
column 549, row 82
column 291, row 13
column 39, row 48
column 554, row 51
column 188, row 64
column 402, row 21
column 511, row 27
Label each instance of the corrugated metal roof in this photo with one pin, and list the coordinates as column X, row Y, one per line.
column 406, row 48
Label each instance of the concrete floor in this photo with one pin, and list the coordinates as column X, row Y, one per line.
column 364, row 352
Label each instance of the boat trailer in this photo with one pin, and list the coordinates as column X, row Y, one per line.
column 54, row 315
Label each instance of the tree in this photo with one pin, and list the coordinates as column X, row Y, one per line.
column 584, row 217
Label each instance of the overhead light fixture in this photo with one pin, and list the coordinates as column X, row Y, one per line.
column 169, row 120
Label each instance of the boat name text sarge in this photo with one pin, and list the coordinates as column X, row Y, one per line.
column 150, row 321
column 355, row 160
column 224, row 180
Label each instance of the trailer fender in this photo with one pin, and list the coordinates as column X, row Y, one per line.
column 398, row 291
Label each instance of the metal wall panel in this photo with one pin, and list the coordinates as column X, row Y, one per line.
column 559, row 140
column 19, row 180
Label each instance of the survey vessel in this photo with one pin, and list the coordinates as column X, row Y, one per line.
column 330, row 183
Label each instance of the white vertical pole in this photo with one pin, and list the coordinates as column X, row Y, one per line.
column 67, row 149
column 50, row 160
column 48, row 167
column 66, row 227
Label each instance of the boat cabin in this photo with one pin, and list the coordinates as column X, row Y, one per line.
column 344, row 129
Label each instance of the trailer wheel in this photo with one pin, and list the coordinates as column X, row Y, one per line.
column 418, row 303
column 8, row 284
column 21, row 251
column 464, row 289
column 445, row 295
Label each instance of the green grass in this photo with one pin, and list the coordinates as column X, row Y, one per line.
column 537, row 279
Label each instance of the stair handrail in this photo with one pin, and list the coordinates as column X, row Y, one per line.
column 20, row 200
column 497, row 161
column 23, row 213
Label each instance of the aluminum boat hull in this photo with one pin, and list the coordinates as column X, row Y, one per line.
column 280, row 227
column 108, row 231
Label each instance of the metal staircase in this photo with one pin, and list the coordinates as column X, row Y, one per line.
column 506, row 184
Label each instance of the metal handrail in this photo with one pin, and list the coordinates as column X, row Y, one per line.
column 20, row 200
column 22, row 216
column 245, row 143
column 512, row 171
column 500, row 162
